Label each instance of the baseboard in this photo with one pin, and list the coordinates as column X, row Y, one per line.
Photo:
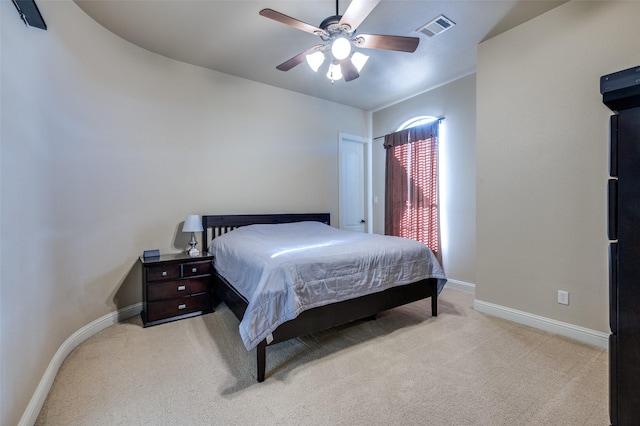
column 37, row 400
column 571, row 331
column 461, row 286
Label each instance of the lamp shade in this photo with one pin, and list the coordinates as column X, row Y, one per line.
column 192, row 224
column 341, row 48
column 315, row 59
column 335, row 72
column 359, row 59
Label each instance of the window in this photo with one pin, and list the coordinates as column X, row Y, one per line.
column 411, row 198
column 417, row 121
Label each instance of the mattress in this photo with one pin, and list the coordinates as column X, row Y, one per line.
column 285, row 269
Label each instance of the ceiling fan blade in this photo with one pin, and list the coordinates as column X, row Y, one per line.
column 387, row 42
column 287, row 65
column 357, row 12
column 349, row 71
column 292, row 22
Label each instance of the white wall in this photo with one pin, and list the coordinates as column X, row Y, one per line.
column 456, row 102
column 105, row 148
column 542, row 159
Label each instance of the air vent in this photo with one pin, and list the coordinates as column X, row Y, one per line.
column 436, row 26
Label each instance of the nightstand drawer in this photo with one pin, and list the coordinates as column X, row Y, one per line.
column 166, row 272
column 175, row 307
column 196, row 268
column 181, row 288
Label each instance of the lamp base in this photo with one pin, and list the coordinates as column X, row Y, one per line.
column 192, row 250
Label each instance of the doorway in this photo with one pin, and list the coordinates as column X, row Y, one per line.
column 355, row 179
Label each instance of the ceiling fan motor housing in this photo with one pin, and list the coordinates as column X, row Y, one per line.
column 331, row 26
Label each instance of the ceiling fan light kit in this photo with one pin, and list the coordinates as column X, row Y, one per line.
column 338, row 34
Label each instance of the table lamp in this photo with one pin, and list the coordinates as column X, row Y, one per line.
column 193, row 224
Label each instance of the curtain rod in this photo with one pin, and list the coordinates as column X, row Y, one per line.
column 380, row 137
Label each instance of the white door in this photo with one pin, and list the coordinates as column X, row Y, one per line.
column 354, row 183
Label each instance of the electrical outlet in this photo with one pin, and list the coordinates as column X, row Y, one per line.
column 563, row 297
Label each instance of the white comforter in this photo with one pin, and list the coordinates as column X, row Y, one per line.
column 285, row 269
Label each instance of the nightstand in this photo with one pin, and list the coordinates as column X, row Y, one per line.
column 176, row 286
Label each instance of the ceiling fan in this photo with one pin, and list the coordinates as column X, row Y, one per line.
column 338, row 34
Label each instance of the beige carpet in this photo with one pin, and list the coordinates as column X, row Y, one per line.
column 461, row 368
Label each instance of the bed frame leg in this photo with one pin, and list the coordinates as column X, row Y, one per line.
column 434, row 305
column 261, row 351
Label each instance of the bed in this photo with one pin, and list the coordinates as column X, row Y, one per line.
column 317, row 278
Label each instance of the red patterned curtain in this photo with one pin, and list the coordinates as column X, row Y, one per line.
column 411, row 196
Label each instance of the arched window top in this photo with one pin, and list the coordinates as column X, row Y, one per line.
column 417, row 121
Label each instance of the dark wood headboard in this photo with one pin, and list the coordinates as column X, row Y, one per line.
column 216, row 225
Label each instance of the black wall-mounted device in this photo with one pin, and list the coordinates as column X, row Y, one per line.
column 30, row 13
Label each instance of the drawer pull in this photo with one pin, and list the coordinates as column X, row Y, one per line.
column 164, row 273
column 182, row 287
column 194, row 269
column 182, row 306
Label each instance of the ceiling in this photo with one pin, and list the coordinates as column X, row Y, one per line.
column 230, row 37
